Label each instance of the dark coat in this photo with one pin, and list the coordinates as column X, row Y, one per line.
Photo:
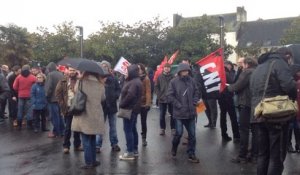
column 132, row 90
column 4, row 88
column 10, row 79
column 183, row 94
column 161, row 87
column 38, row 96
column 52, row 79
column 112, row 93
column 242, row 87
column 281, row 81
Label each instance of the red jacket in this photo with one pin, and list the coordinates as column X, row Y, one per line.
column 23, row 85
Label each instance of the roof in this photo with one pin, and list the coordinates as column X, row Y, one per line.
column 265, row 33
column 229, row 20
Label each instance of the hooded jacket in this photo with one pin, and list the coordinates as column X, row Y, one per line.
column 132, row 90
column 23, row 83
column 183, row 94
column 38, row 96
column 52, row 79
column 281, row 81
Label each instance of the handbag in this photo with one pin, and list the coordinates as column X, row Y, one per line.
column 124, row 113
column 275, row 109
column 78, row 103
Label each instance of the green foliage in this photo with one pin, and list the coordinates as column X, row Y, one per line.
column 15, row 46
column 292, row 34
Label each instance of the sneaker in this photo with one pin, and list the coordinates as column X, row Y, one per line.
column 66, row 150
column 144, row 142
column 96, row 163
column 162, row 132
column 79, row 148
column 15, row 123
column 115, row 148
column 226, row 138
column 290, row 149
column 51, row 135
column 173, row 132
column 98, row 150
column 127, row 156
column 239, row 159
column 193, row 159
column 173, row 151
column 136, row 154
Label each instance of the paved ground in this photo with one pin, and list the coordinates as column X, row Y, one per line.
column 26, row 153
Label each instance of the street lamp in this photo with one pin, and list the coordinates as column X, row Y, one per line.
column 81, row 39
column 221, row 31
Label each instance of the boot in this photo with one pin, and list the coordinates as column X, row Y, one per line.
column 19, row 125
column 29, row 125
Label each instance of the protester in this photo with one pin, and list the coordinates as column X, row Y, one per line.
column 112, row 93
column 145, row 101
column 64, row 93
column 161, row 88
column 13, row 99
column 241, row 87
column 53, row 77
column 22, row 85
column 39, row 103
column 131, row 99
column 227, row 106
column 4, row 94
column 91, row 121
column 184, row 95
column 272, row 137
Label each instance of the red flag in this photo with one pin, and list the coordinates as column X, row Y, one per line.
column 213, row 72
column 160, row 69
column 173, row 57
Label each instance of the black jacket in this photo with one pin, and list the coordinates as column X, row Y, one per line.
column 132, row 90
column 4, row 89
column 281, row 81
column 242, row 87
column 112, row 93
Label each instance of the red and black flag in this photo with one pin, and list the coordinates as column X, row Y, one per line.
column 213, row 72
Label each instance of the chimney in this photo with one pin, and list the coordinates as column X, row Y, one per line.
column 176, row 19
column 241, row 14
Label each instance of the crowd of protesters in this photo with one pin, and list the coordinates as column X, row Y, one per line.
column 33, row 96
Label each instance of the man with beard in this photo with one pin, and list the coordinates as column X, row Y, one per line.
column 64, row 93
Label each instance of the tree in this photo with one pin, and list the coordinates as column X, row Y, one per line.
column 292, row 34
column 49, row 46
column 15, row 45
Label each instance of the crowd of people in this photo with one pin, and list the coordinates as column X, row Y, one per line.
column 33, row 96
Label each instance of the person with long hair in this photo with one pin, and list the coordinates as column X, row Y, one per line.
column 91, row 121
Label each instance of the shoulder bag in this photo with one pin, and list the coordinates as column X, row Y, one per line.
column 78, row 103
column 275, row 109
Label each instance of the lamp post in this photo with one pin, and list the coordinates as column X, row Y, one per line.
column 221, row 31
column 81, row 40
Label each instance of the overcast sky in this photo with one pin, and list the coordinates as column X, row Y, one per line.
column 88, row 13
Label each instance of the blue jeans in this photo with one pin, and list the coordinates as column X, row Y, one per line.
column 89, row 148
column 131, row 134
column 162, row 115
column 189, row 125
column 272, row 146
column 113, row 137
column 24, row 108
column 56, row 119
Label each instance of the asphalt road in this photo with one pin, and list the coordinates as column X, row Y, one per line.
column 26, row 153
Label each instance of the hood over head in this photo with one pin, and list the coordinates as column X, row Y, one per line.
column 51, row 67
column 183, row 67
column 133, row 71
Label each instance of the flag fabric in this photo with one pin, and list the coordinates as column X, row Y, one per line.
column 160, row 69
column 213, row 72
column 173, row 57
column 122, row 65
